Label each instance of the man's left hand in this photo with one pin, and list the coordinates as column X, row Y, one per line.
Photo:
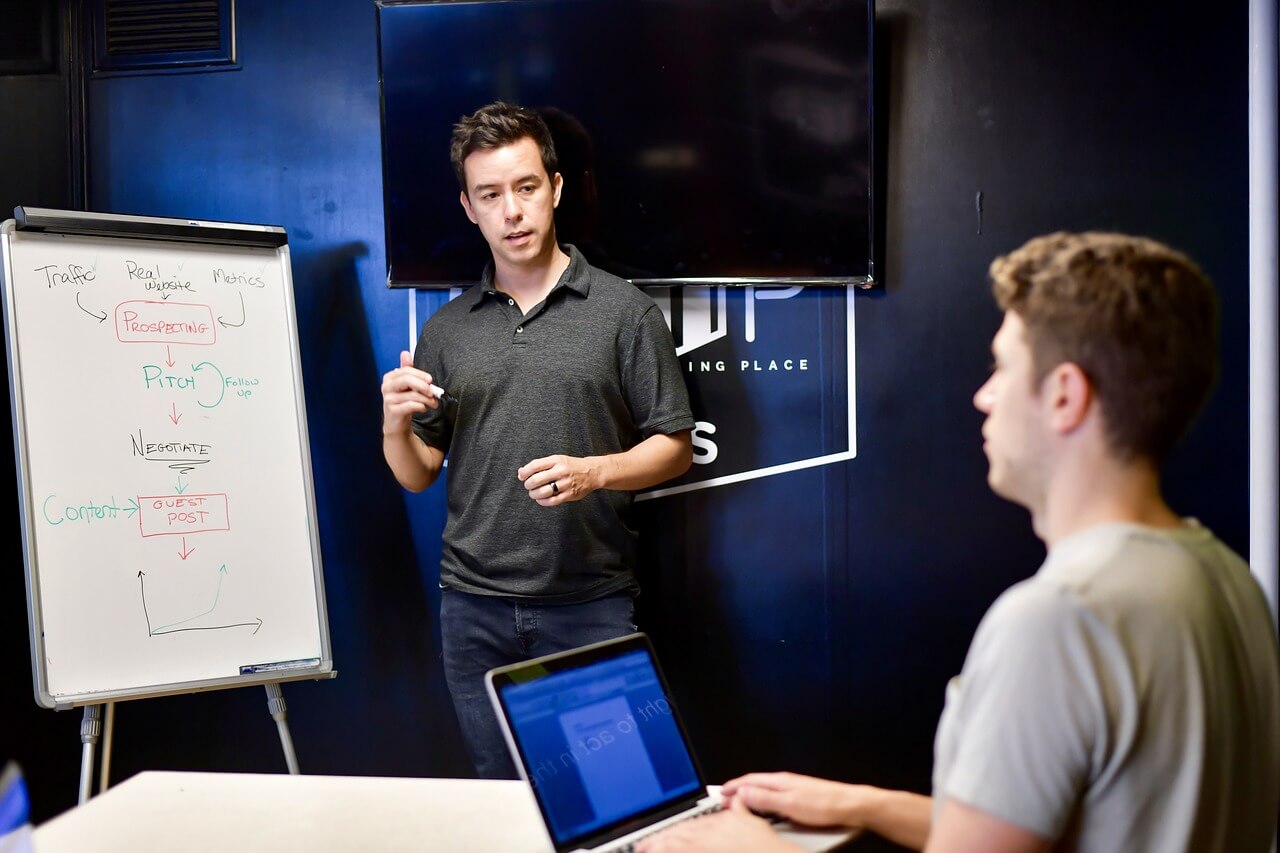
column 554, row 480
column 734, row 829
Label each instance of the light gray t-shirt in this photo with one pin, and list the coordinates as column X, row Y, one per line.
column 1125, row 698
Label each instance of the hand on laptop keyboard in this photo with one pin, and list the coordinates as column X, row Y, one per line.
column 631, row 846
column 733, row 829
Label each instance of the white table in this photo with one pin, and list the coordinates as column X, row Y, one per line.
column 162, row 810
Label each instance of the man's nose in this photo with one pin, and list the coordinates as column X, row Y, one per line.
column 981, row 398
column 511, row 206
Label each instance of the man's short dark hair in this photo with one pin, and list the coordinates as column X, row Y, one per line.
column 1139, row 318
column 496, row 126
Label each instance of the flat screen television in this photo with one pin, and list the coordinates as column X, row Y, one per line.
column 699, row 140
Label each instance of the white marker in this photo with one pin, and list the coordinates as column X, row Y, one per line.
column 438, row 391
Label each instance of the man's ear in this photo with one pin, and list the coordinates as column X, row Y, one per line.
column 466, row 205
column 1068, row 395
column 557, row 184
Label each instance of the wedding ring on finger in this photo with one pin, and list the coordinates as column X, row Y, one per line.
column 555, row 488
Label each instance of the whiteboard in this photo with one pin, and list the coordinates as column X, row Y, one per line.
column 164, row 471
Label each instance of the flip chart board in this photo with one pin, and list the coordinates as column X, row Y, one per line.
column 164, row 473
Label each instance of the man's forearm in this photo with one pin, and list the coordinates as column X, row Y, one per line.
column 655, row 460
column 414, row 465
column 900, row 816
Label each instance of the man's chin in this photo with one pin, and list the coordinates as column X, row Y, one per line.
column 520, row 255
column 1000, row 486
column 1007, row 490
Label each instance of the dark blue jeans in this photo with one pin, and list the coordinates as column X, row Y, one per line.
column 480, row 632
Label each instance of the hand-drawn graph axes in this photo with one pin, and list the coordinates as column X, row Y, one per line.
column 176, row 627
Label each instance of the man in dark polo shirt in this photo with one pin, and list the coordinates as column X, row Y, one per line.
column 553, row 387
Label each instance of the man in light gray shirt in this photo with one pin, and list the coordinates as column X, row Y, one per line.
column 1127, row 696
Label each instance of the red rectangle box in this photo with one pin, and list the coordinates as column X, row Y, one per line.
column 180, row 515
column 139, row 321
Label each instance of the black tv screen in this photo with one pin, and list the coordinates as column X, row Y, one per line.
column 705, row 140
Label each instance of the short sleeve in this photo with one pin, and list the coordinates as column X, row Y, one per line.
column 651, row 379
column 1031, row 713
column 434, row 426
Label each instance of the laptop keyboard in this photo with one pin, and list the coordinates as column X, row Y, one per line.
column 630, row 846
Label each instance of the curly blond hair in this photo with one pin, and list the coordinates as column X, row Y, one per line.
column 1139, row 318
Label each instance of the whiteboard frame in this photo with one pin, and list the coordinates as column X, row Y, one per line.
column 81, row 223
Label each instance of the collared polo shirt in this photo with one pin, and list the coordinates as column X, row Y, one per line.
column 589, row 371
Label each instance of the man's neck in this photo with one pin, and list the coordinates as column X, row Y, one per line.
column 529, row 284
column 1103, row 492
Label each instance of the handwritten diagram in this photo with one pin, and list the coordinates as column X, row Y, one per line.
column 175, row 369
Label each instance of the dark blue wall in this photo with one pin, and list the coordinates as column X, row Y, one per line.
column 293, row 139
column 808, row 620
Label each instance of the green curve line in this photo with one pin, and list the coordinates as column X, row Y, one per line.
column 222, row 383
column 221, row 572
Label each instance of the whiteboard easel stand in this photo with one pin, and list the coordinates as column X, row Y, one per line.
column 89, row 732
column 278, row 709
column 91, row 728
column 108, row 729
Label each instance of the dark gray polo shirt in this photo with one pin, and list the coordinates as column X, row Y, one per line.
column 589, row 371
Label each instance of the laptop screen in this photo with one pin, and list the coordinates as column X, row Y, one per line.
column 598, row 737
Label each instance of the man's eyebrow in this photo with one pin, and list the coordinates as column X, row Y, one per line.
column 529, row 178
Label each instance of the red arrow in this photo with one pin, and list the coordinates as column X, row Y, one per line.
column 184, row 553
column 168, row 357
column 175, row 417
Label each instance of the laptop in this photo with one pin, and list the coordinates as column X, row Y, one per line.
column 595, row 732
column 15, row 811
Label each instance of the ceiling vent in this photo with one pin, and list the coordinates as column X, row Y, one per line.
column 150, row 36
